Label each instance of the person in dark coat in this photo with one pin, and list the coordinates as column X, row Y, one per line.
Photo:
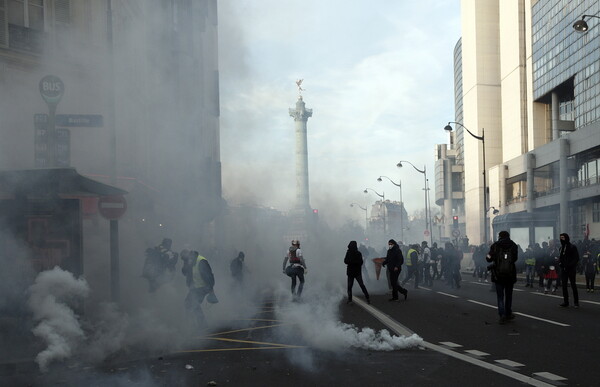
column 393, row 261
column 354, row 262
column 568, row 259
column 505, row 249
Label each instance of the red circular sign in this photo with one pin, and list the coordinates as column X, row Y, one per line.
column 426, row 233
column 112, row 207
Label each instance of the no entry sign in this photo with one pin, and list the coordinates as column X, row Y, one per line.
column 112, row 207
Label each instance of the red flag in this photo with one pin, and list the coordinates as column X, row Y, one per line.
column 378, row 262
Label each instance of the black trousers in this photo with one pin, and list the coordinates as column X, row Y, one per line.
column 569, row 275
column 396, row 288
column 359, row 279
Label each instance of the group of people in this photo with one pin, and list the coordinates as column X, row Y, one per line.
column 159, row 267
column 503, row 256
column 421, row 264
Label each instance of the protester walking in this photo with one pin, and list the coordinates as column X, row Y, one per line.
column 503, row 254
column 393, row 262
column 568, row 259
column 354, row 262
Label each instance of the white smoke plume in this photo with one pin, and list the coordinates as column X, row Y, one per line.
column 50, row 300
column 317, row 324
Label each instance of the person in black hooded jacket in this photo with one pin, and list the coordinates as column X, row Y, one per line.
column 504, row 249
column 394, row 260
column 354, row 262
column 568, row 259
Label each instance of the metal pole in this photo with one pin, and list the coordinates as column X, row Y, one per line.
column 426, row 212
column 401, row 213
column 485, row 208
column 51, row 128
column 114, row 224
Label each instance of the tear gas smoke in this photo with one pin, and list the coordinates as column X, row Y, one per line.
column 51, row 298
column 315, row 323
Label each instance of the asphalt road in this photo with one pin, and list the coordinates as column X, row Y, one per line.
column 462, row 345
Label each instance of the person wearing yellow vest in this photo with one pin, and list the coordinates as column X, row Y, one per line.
column 412, row 264
column 201, row 281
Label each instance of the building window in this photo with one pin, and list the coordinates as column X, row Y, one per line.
column 26, row 13
column 596, row 212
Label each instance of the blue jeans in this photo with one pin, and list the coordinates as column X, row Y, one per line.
column 504, row 291
column 529, row 274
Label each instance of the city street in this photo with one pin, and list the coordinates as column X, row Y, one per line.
column 463, row 345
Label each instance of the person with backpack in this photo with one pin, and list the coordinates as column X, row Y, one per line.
column 354, row 262
column 297, row 267
column 502, row 255
column 159, row 260
column 568, row 259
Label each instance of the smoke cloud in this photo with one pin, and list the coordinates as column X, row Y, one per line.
column 51, row 301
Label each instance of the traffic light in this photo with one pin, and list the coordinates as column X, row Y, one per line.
column 455, row 221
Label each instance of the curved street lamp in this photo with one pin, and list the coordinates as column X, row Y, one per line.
column 485, row 204
column 399, row 185
column 382, row 196
column 428, row 225
column 365, row 210
column 495, row 212
column 581, row 25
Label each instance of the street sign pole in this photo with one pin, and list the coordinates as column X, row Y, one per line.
column 52, row 89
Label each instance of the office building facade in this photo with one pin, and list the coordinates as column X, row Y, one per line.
column 530, row 83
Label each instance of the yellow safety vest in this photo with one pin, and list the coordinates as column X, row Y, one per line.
column 408, row 259
column 196, row 275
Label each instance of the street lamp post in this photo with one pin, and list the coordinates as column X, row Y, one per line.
column 427, row 211
column 485, row 203
column 365, row 210
column 382, row 196
column 399, row 185
column 581, row 25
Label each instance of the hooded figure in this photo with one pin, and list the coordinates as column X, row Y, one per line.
column 354, row 262
column 503, row 254
column 394, row 260
column 568, row 259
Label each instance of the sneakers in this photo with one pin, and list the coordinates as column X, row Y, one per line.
column 564, row 305
column 393, row 299
column 576, row 306
column 510, row 316
column 405, row 294
column 502, row 320
column 349, row 302
column 369, row 301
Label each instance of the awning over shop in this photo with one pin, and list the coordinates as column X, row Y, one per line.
column 61, row 182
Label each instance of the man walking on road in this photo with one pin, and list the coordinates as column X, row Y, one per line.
column 394, row 261
column 568, row 259
column 503, row 254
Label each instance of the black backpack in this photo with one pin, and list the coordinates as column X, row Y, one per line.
column 504, row 267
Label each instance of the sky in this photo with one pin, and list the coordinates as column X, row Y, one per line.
column 378, row 76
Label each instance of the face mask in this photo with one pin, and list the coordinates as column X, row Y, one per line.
column 390, row 247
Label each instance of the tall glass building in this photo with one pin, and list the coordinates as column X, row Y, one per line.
column 533, row 84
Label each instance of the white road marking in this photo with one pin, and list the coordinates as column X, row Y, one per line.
column 547, row 295
column 480, row 283
column 509, row 363
column 489, row 366
column 475, row 352
column 446, row 294
column 402, row 330
column 483, row 304
column 543, row 319
column 523, row 314
column 450, row 344
column 549, row 376
column 589, row 302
